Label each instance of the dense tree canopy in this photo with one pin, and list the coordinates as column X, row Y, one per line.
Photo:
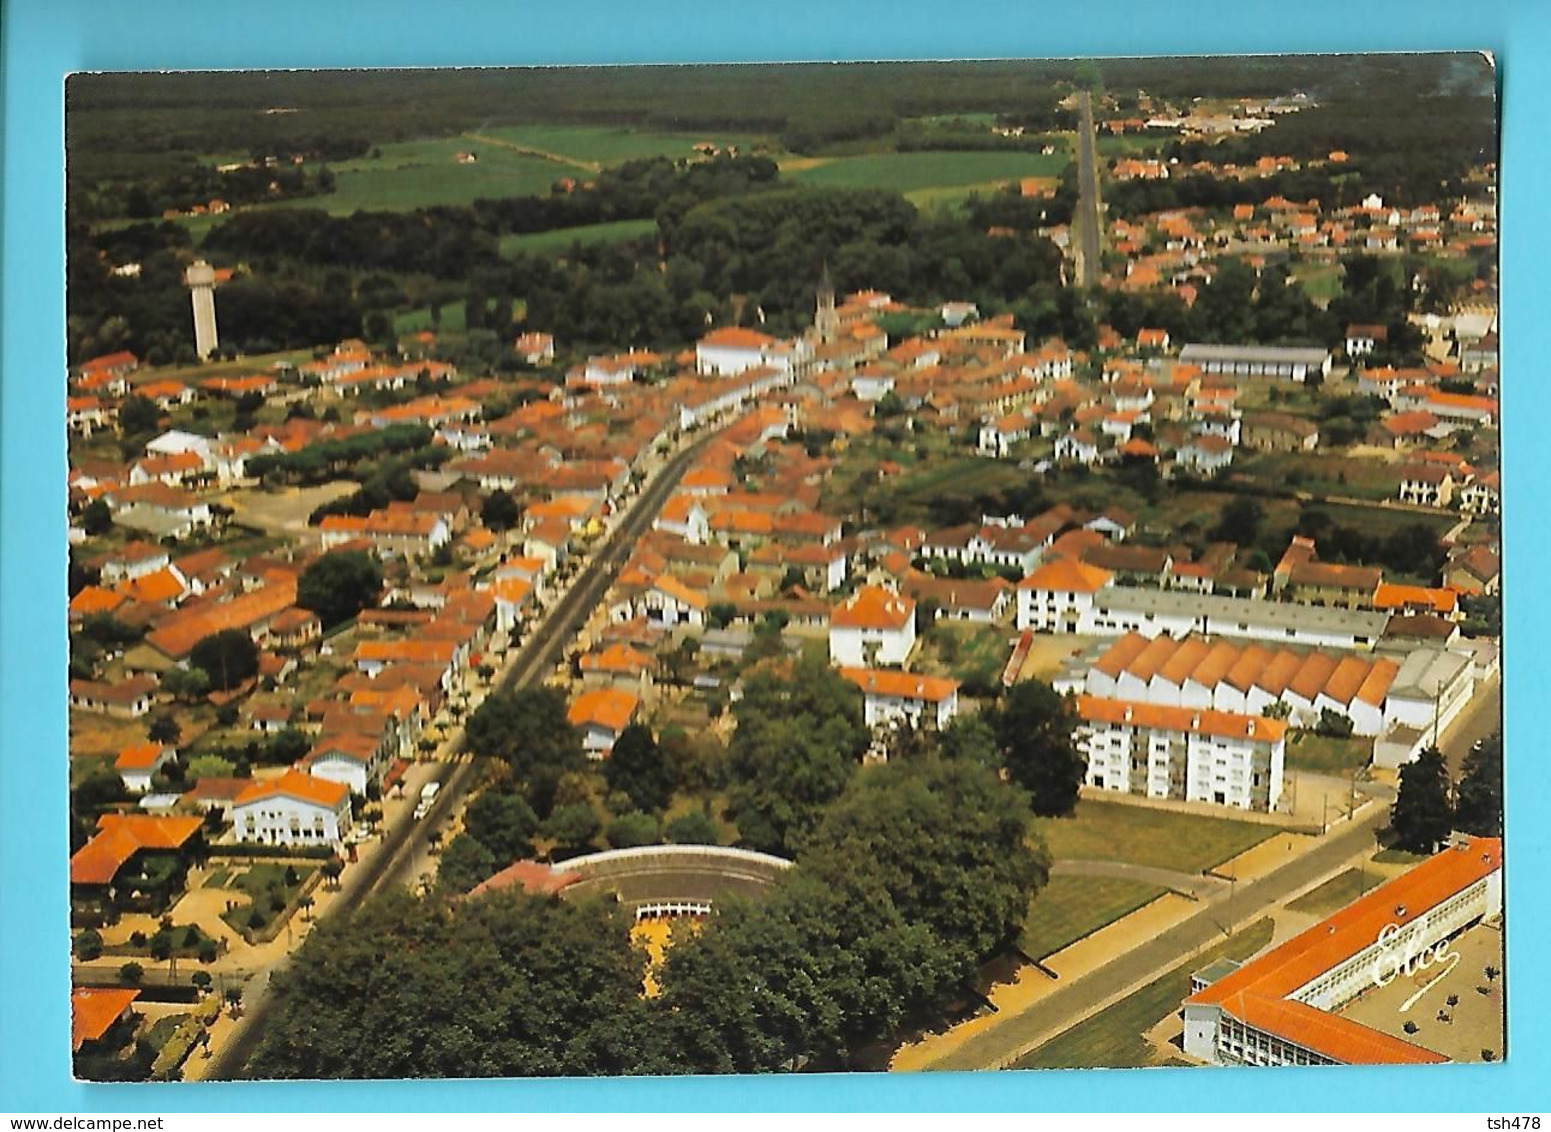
column 339, row 585
column 798, row 741
column 506, row 985
column 528, row 730
column 636, row 767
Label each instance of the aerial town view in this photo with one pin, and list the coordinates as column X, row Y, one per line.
column 784, row 568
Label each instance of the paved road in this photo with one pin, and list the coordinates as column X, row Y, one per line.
column 1087, row 220
column 1482, row 716
column 1063, row 1008
column 393, row 862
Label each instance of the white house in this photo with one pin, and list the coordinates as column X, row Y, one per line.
column 1058, row 597
column 670, row 602
column 877, row 626
column 294, row 809
column 905, row 697
column 1206, row 454
column 138, row 763
column 602, row 714
column 1077, row 447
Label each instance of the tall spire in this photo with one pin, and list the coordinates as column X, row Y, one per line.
column 825, row 322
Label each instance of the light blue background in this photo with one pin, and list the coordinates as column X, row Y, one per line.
column 44, row 40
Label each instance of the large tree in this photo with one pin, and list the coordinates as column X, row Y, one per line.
column 228, row 658
column 528, row 730
column 636, row 767
column 500, row 511
column 1479, row 798
column 339, row 585
column 503, row 823
column 1034, row 729
column 799, row 739
column 952, row 845
column 1422, row 816
column 464, row 863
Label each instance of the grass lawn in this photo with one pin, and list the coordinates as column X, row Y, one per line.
column 1325, row 754
column 560, row 240
column 1115, row 831
column 1336, row 893
column 1069, row 908
column 1113, row 1037
column 909, row 172
column 266, row 883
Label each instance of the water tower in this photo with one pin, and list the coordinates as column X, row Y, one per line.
column 200, row 280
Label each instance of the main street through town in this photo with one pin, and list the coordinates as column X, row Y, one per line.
column 393, row 862
column 1087, row 223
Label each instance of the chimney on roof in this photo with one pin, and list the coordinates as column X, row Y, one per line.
column 1128, row 714
column 1195, row 722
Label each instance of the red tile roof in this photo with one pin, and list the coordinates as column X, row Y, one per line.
column 93, row 1010
column 1257, row 993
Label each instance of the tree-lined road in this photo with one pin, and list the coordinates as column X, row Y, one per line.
column 393, row 862
column 1087, row 222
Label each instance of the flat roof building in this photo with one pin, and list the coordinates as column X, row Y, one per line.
column 1293, row 363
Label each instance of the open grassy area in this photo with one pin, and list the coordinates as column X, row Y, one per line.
column 560, row 240
column 1324, row 474
column 909, row 172
column 607, row 145
column 1116, row 831
column 421, row 173
column 1113, row 1037
column 1325, row 754
column 1336, row 893
column 1069, row 908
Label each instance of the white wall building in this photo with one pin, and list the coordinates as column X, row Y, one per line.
column 905, row 697
column 876, row 627
column 294, row 809
column 1195, row 755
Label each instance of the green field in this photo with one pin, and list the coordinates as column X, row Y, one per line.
column 910, row 172
column 1113, row 1038
column 1070, row 908
column 607, row 145
column 560, row 240
column 1336, row 893
column 421, row 173
column 1325, row 754
column 1115, row 831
